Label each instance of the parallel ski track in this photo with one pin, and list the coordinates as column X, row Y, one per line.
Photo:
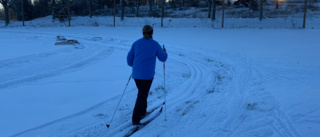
column 194, row 89
column 75, row 59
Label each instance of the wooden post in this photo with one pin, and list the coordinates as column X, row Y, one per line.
column 162, row 12
column 22, row 12
column 305, row 13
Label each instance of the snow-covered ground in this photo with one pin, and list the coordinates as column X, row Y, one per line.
column 219, row 82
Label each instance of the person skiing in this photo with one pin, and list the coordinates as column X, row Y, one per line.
column 142, row 58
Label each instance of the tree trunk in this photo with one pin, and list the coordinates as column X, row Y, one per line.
column 90, row 8
column 53, row 7
column 162, row 12
column 69, row 16
column 114, row 13
column 6, row 11
column 213, row 10
column 277, row 4
column 22, row 12
column 150, row 4
column 138, row 5
column 210, row 7
column 305, row 13
column 222, row 22
column 122, row 8
column 261, row 6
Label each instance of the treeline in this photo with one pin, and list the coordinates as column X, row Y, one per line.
column 24, row 10
column 41, row 8
column 30, row 9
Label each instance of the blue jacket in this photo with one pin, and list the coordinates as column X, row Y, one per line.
column 142, row 58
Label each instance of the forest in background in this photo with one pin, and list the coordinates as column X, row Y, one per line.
column 60, row 9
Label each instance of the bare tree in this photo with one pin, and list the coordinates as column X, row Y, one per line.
column 6, row 4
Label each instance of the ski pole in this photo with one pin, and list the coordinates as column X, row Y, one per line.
column 108, row 125
column 164, row 87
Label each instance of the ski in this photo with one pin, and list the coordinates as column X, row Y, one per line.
column 146, row 115
column 137, row 128
column 152, row 110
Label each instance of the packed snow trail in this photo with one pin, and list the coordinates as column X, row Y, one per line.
column 47, row 64
column 217, row 88
column 209, row 92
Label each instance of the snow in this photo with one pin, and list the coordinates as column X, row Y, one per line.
column 220, row 82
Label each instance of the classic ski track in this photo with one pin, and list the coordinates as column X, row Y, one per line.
column 233, row 126
column 191, row 92
column 171, row 100
column 181, row 99
column 96, row 53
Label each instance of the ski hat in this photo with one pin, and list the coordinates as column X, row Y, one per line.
column 147, row 31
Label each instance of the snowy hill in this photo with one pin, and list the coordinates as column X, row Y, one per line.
column 219, row 82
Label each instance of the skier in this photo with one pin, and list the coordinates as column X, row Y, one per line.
column 142, row 58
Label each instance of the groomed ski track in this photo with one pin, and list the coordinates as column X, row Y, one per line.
column 212, row 91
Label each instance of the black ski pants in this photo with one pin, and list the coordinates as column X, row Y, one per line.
column 140, row 108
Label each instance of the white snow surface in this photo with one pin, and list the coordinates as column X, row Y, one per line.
column 248, row 82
